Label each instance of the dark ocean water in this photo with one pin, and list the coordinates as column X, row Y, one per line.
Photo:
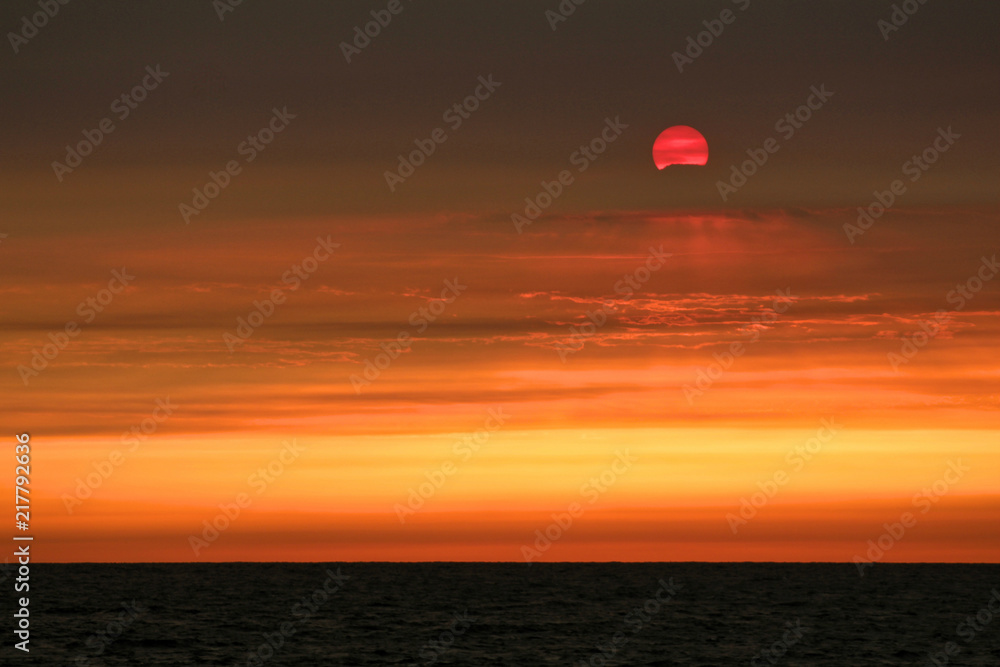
column 509, row 614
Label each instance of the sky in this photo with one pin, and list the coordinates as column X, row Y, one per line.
column 533, row 345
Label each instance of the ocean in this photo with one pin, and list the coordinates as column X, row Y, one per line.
column 654, row 614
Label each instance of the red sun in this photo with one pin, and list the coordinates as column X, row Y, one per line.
column 679, row 144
